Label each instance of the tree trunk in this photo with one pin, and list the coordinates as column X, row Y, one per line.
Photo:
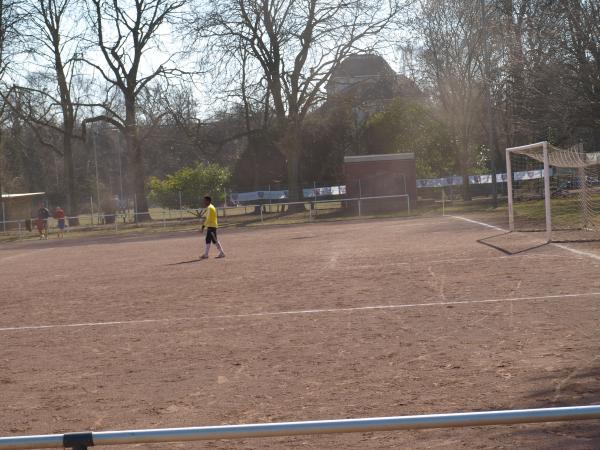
column 466, row 188
column 136, row 160
column 463, row 165
column 139, row 181
column 292, row 148
column 293, row 171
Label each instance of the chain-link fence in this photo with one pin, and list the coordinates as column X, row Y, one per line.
column 241, row 215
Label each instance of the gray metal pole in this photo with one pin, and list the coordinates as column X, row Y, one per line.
column 92, row 209
column 120, row 144
column 313, row 427
column 96, row 164
column 359, row 198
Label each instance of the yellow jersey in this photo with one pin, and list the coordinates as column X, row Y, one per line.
column 211, row 220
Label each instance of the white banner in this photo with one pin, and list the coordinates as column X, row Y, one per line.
column 487, row 179
column 458, row 181
column 529, row 175
column 423, row 183
column 327, row 191
column 258, row 195
column 439, row 182
column 324, row 191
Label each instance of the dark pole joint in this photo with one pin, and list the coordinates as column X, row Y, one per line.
column 78, row 441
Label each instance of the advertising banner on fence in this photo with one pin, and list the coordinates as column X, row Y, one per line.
column 529, row 175
column 439, row 182
column 487, row 179
column 458, row 181
column 324, row 191
column 330, row 191
column 254, row 196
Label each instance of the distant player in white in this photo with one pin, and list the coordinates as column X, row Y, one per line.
column 211, row 223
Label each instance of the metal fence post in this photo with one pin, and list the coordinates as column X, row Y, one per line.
column 359, row 198
column 91, row 210
column 3, row 217
column 315, row 197
column 443, row 201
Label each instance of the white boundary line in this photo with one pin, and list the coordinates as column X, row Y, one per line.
column 578, row 252
column 483, row 224
column 561, row 246
column 305, row 311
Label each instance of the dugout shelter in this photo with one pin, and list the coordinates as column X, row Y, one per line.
column 15, row 207
column 382, row 175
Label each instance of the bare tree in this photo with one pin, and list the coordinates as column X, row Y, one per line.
column 55, row 41
column 451, row 61
column 582, row 41
column 125, row 33
column 296, row 45
column 11, row 16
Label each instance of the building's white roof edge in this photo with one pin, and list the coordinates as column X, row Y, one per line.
column 387, row 157
column 26, row 194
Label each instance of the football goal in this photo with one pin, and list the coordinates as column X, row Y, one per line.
column 554, row 191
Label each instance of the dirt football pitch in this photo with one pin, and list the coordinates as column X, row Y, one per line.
column 321, row 321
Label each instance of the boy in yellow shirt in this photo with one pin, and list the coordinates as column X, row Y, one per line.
column 211, row 223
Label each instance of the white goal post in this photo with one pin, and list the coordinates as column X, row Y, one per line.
column 546, row 175
column 553, row 191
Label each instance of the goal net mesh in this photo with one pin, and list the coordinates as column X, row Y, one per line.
column 574, row 192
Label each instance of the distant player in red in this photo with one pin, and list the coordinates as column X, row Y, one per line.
column 59, row 215
column 42, row 221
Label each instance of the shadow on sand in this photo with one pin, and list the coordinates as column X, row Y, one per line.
column 574, row 386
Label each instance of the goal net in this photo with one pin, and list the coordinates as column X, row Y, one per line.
column 554, row 191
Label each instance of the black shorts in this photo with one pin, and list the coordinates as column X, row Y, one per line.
column 211, row 235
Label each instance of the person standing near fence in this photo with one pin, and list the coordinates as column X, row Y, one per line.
column 59, row 215
column 211, row 223
column 42, row 221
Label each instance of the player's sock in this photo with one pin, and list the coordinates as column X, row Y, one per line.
column 207, row 250
column 220, row 247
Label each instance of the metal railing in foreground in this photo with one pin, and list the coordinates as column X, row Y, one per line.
column 81, row 441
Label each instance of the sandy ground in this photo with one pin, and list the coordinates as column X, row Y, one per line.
column 134, row 332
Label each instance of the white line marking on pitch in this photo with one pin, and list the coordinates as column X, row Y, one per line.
column 578, row 252
column 483, row 224
column 561, row 246
column 306, row 311
column 21, row 255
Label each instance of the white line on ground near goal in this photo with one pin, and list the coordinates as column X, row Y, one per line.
column 561, row 246
column 307, row 311
column 578, row 252
column 483, row 224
